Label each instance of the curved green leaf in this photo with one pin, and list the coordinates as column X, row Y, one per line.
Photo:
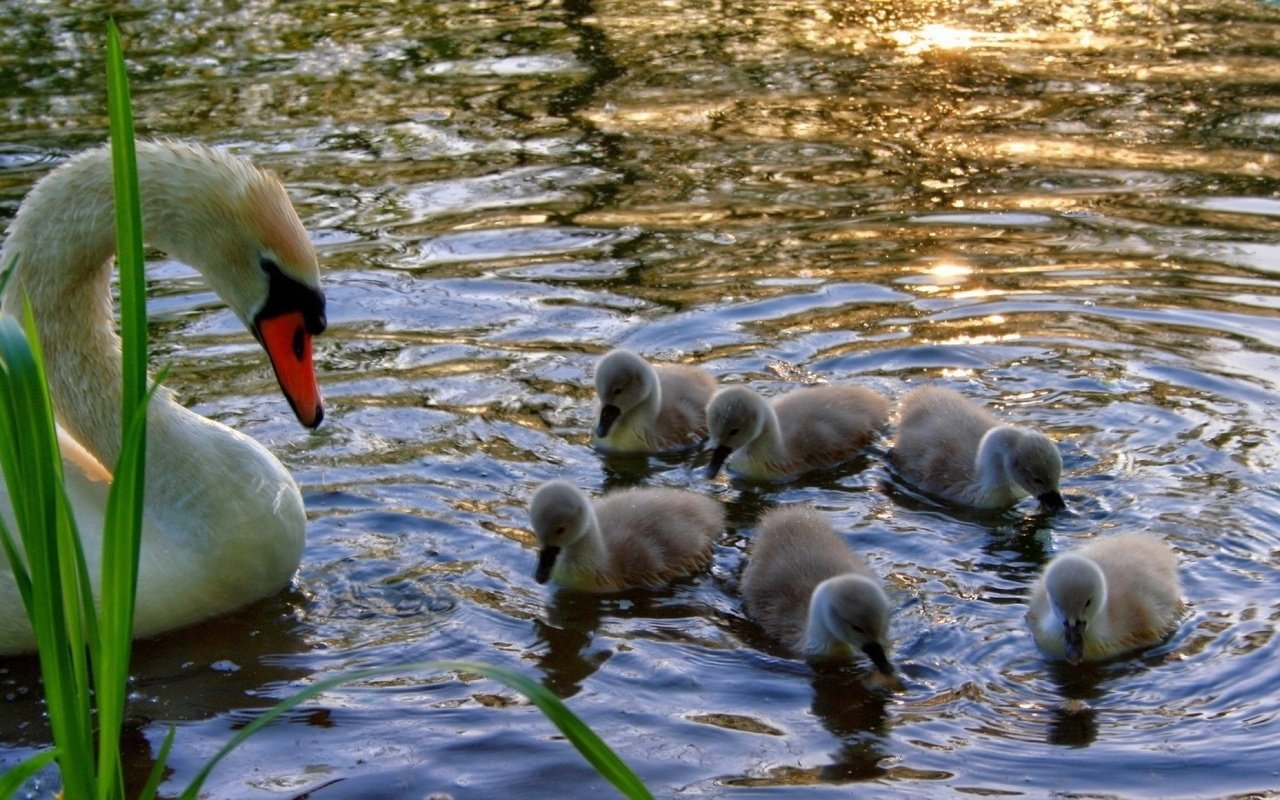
column 597, row 753
column 14, row 777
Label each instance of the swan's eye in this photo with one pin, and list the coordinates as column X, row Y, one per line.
column 286, row 295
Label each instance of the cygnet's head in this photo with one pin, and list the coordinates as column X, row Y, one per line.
column 735, row 417
column 560, row 515
column 1035, row 464
column 853, row 610
column 1078, row 591
column 623, row 381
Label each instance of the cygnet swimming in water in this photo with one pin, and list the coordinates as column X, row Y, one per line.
column 627, row 539
column 810, row 592
column 1108, row 597
column 953, row 448
column 645, row 408
column 810, row 428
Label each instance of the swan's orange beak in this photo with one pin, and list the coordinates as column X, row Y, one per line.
column 288, row 345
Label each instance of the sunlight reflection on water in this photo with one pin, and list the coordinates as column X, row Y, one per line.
column 1066, row 210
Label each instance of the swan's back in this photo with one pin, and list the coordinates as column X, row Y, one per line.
column 794, row 550
column 1143, row 597
column 654, row 536
column 939, row 431
column 822, row 426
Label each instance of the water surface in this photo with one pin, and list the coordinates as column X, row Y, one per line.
column 1068, row 211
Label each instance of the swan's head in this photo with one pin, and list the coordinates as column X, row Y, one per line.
column 624, row 380
column 735, row 417
column 235, row 224
column 560, row 515
column 1077, row 591
column 1036, row 465
column 850, row 610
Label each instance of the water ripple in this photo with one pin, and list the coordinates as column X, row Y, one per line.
column 1066, row 211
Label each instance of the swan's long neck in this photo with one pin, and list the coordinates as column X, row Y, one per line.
column 64, row 271
column 61, row 244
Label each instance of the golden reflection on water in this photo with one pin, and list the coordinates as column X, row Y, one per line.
column 1031, row 200
column 950, row 271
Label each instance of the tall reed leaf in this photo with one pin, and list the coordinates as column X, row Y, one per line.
column 128, row 201
column 80, row 661
column 50, row 583
column 122, row 529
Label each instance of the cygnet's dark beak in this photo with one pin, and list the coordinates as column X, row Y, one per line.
column 718, row 456
column 1052, row 501
column 876, row 653
column 1073, row 640
column 546, row 560
column 608, row 415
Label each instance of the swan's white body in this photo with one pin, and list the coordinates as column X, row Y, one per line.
column 223, row 518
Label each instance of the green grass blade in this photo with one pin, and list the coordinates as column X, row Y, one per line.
column 129, row 255
column 33, row 467
column 592, row 748
column 270, row 715
column 10, row 454
column 71, row 619
column 55, row 583
column 14, row 777
column 123, row 524
column 158, row 768
column 597, row 753
column 119, row 592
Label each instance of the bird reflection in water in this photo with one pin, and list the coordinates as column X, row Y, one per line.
column 854, row 712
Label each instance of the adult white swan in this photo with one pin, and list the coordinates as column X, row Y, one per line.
column 223, row 521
